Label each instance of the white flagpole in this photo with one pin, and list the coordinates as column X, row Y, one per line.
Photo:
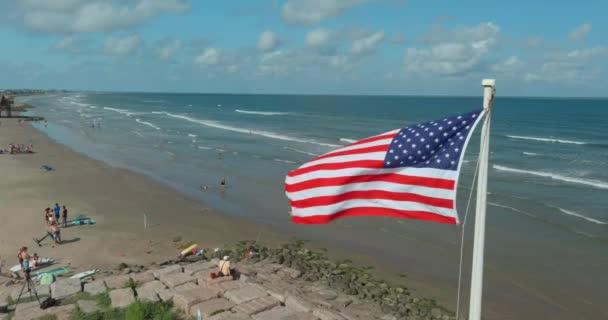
column 480, row 205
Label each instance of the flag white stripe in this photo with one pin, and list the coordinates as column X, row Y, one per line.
column 377, row 203
column 348, row 172
column 347, row 158
column 368, row 186
column 363, row 145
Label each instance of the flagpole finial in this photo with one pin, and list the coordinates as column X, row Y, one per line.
column 488, row 82
column 489, row 87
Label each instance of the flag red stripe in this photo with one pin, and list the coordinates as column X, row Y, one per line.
column 395, row 178
column 366, row 164
column 373, row 194
column 354, row 151
column 372, row 211
column 376, row 138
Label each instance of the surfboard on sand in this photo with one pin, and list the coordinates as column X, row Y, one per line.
column 42, row 262
column 84, row 274
column 55, row 272
column 81, row 222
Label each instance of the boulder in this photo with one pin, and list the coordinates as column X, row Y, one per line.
column 257, row 305
column 142, row 277
column 117, row 281
column 187, row 298
column 167, row 270
column 122, row 297
column 210, row 307
column 245, row 293
column 173, row 280
column 95, row 287
column 282, row 313
column 201, row 266
column 324, row 314
column 298, row 304
column 229, row 316
column 65, row 287
column 87, row 306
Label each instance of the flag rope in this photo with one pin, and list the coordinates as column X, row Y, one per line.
column 464, row 221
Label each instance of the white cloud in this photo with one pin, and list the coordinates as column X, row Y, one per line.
column 575, row 66
column 580, row 32
column 65, row 43
column 367, row 44
column 209, row 57
column 318, row 37
column 69, row 16
column 453, row 53
column 511, row 66
column 169, row 48
column 310, row 12
column 267, row 41
column 121, row 46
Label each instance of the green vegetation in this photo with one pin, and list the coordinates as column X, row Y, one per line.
column 103, row 300
column 48, row 317
column 135, row 311
column 131, row 284
column 216, row 312
column 76, row 297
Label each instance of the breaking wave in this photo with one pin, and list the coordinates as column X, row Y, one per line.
column 267, row 134
column 347, row 140
column 529, row 154
column 591, row 183
column 578, row 215
column 552, row 140
column 262, row 113
column 148, row 124
column 284, row 161
column 512, row 209
column 121, row 111
column 300, row 151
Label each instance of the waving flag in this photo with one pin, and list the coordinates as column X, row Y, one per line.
column 410, row 172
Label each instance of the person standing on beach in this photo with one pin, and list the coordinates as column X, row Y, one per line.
column 65, row 216
column 47, row 215
column 57, row 212
column 24, row 258
column 55, row 232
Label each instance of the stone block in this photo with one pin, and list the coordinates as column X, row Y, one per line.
column 167, row 270
column 289, row 273
column 226, row 285
column 122, row 297
column 229, row 316
column 325, row 293
column 87, row 306
column 185, row 286
column 95, row 287
column 65, row 287
column 166, row 295
column 244, row 294
column 61, row 312
column 324, row 314
column 298, row 304
column 142, row 277
column 204, row 278
column 173, row 280
column 257, row 305
column 211, row 306
column 282, row 313
column 201, row 266
column 14, row 294
column 187, row 298
column 117, row 281
column 154, row 286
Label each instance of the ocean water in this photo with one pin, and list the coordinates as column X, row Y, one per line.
column 548, row 176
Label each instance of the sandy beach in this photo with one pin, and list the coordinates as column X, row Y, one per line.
column 116, row 198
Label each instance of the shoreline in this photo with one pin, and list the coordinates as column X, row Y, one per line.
column 112, row 196
column 424, row 270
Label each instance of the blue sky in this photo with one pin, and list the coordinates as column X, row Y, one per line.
column 410, row 47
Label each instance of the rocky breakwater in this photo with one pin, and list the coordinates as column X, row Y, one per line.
column 290, row 282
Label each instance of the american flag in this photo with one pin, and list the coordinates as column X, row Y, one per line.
column 410, row 172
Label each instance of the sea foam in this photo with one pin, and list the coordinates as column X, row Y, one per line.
column 552, row 140
column 262, row 113
column 578, row 215
column 267, row 134
column 147, row 123
column 347, row 140
column 587, row 182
